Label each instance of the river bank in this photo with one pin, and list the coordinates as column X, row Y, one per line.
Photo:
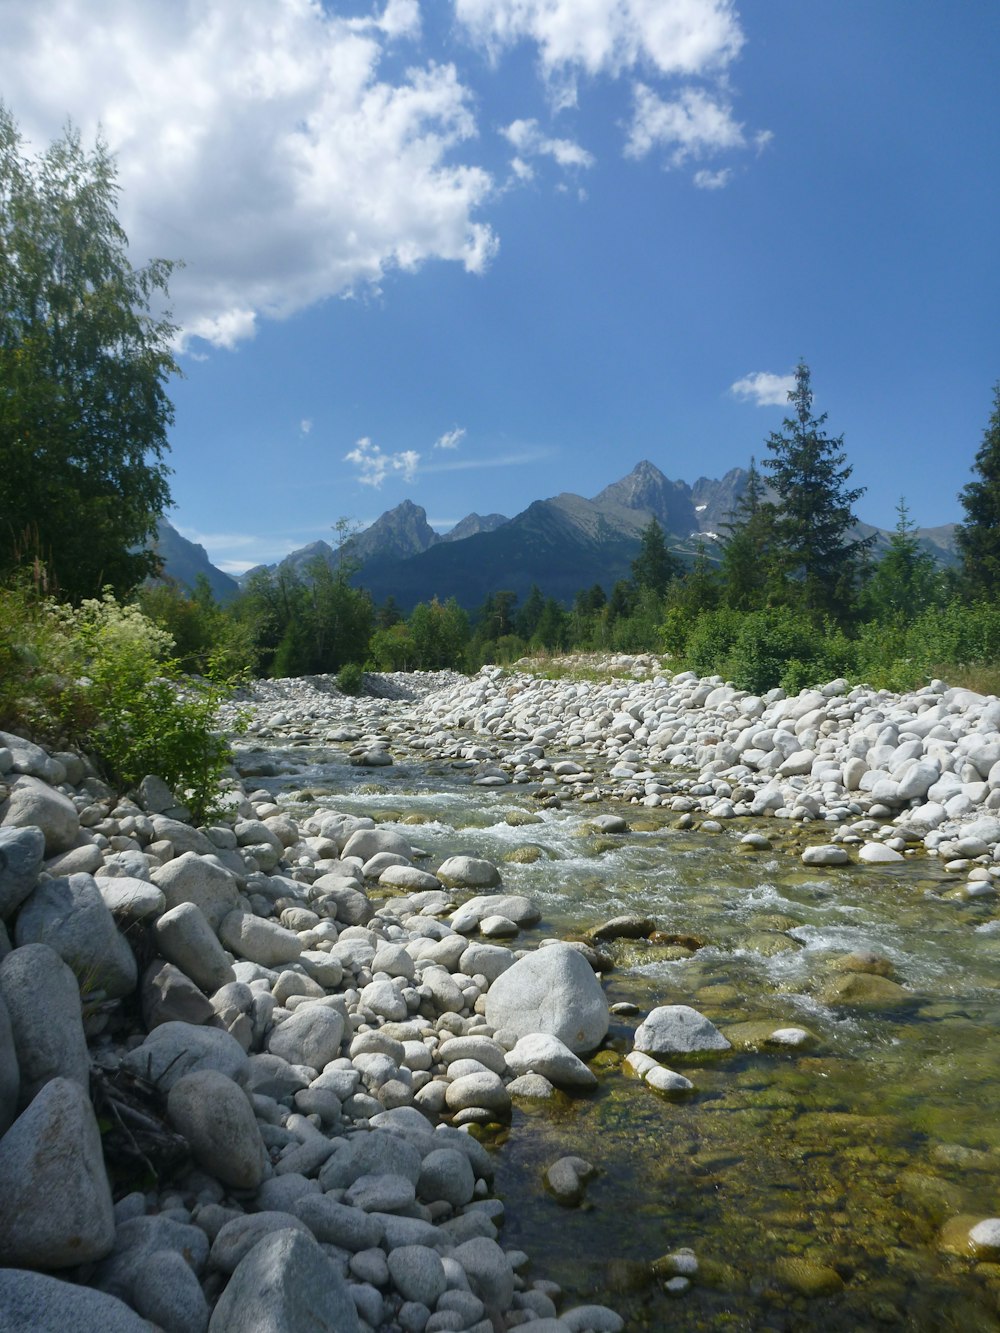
column 290, row 902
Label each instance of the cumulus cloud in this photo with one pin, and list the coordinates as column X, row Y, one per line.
column 672, row 37
column 764, row 389
column 713, row 180
column 259, row 142
column 451, row 439
column 374, row 465
column 527, row 139
column 694, row 124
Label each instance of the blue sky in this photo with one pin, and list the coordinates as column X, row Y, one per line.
column 476, row 252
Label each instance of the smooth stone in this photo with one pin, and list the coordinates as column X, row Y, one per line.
column 877, row 853
column 33, row 803
column 542, row 1053
column 174, row 1049
column 130, row 899
column 376, row 1153
column 531, row 1087
column 483, row 1049
column 190, row 878
column 383, row 1193
column 57, row 1209
column 678, row 1029
column 70, row 916
column 488, row 1270
column 259, row 940
column 446, row 1173
column 168, row 996
column 337, row 1224
column 623, row 928
column 310, row 1036
column 168, row 1294
column 866, row 991
column 484, row 1090
column 236, row 1238
column 667, row 1080
column 826, row 855
column 22, row 851
column 285, row 1283
column 186, row 939
column 468, row 872
column 366, row 843
column 36, row 1303
column 46, row 1018
column 552, row 990
column 567, row 1178
column 417, row 1274
column 215, row 1116
column 409, row 878
column 513, row 907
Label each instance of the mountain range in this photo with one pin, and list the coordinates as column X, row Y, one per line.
column 561, row 544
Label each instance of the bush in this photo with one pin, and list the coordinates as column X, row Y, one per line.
column 98, row 677
column 351, row 678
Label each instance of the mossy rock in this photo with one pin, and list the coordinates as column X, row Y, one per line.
column 865, row 990
column 871, row 964
column 768, row 943
column 808, row 1278
column 518, row 818
column 526, row 855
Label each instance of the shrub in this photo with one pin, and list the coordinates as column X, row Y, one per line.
column 351, row 678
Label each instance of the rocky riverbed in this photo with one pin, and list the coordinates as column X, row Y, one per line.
column 255, row 1074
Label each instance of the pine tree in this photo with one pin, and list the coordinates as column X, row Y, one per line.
column 906, row 581
column 748, row 550
column 654, row 566
column 809, row 472
column 978, row 537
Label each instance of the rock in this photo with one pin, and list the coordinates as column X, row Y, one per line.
column 175, row 1049
column 551, row 990
column 567, row 1178
column 216, row 1118
column 678, row 1029
column 57, row 1209
column 22, row 851
column 33, row 802
column 25, row 756
column 37, row 1303
column 10, row 1076
column 417, row 1274
column 43, row 1002
column 484, row 1090
column 368, row 842
column 623, row 928
column 236, row 1238
column 167, row 1293
column 285, row 1283
column 335, row 1223
column 129, row 899
column 542, row 1053
column 488, row 1270
column 70, row 916
column 826, row 855
column 185, row 937
column 168, row 996
column 190, row 878
column 514, row 906
column 487, row 960
column 261, row 941
column 863, row 990
column 446, row 1173
column 408, row 878
column 468, row 872
column 877, row 853
column 311, row 1036
column 809, row 1279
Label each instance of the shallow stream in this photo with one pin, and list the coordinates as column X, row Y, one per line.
column 811, row 1184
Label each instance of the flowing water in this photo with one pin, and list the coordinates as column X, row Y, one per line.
column 812, row 1184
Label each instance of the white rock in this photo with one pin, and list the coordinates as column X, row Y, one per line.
column 677, row 1028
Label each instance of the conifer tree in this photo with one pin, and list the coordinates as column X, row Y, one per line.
column 978, row 537
column 654, row 566
column 810, row 473
column 749, row 548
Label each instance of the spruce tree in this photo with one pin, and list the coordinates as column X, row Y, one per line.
column 654, row 566
column 978, row 537
column 809, row 472
column 749, row 548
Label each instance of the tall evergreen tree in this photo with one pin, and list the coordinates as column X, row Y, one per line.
column 979, row 536
column 810, row 473
column 654, row 566
column 748, row 571
column 907, row 580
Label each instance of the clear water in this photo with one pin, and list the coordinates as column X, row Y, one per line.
column 812, row 1185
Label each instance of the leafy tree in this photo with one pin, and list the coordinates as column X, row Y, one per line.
column 906, row 581
column 84, row 363
column 654, row 566
column 979, row 536
column 438, row 634
column 810, row 474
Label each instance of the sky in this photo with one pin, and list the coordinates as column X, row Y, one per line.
column 473, row 253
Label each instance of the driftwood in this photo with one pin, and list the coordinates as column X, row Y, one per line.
column 139, row 1145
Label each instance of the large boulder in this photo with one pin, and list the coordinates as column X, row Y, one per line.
column 46, row 1018
column 191, row 878
column 37, row 1303
column 70, row 916
column 175, row 1049
column 216, row 1118
column 22, row 851
column 285, row 1282
column 551, row 990
column 34, row 803
column 57, row 1209
column 186, row 939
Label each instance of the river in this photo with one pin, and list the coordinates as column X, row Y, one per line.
column 814, row 1185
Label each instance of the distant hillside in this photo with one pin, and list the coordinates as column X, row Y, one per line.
column 184, row 561
column 561, row 544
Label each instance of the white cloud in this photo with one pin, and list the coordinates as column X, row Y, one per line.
column 764, row 389
column 533, row 455
column 713, row 180
column 374, row 466
column 672, row 37
column 451, row 439
column 694, row 124
column 527, row 139
column 305, row 426
column 259, row 142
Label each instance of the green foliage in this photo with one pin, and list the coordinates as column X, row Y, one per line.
column 83, row 368
column 98, row 676
column 750, row 567
column 351, row 678
column 654, row 566
column 759, row 650
column 391, row 649
column 906, row 581
column 809, row 472
column 979, row 536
